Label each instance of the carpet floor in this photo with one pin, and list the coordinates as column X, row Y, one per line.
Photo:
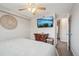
column 62, row 49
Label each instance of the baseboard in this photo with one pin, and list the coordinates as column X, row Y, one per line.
column 72, row 51
column 57, row 53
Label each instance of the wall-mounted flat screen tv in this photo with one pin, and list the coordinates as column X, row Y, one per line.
column 45, row 22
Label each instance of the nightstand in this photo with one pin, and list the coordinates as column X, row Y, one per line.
column 50, row 40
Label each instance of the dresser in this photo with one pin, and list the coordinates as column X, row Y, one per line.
column 41, row 37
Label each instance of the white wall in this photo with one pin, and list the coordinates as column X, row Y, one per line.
column 21, row 31
column 35, row 29
column 75, row 30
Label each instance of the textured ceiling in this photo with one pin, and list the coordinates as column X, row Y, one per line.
column 60, row 9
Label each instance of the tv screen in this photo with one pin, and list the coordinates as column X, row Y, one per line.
column 45, row 22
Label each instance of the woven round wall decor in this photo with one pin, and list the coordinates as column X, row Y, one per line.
column 8, row 22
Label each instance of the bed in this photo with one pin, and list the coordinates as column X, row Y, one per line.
column 26, row 47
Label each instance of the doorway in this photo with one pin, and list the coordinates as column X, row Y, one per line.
column 63, row 30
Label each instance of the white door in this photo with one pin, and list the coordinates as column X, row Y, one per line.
column 64, row 30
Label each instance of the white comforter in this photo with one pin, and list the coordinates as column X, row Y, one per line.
column 26, row 47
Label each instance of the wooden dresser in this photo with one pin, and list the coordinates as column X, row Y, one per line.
column 41, row 37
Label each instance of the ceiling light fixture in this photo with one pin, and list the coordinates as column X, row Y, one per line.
column 33, row 8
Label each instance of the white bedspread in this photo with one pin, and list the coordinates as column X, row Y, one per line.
column 26, row 47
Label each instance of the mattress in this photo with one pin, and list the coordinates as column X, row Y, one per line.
column 26, row 47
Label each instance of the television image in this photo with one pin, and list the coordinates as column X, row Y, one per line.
column 45, row 22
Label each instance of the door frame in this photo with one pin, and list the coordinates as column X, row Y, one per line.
column 70, row 33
